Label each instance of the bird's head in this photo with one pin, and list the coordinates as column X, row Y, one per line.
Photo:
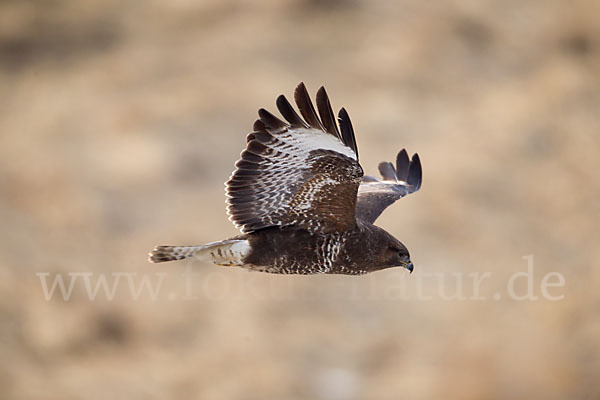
column 389, row 251
column 396, row 255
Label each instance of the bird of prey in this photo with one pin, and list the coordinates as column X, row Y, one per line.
column 299, row 196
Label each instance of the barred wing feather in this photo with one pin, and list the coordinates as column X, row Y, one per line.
column 302, row 172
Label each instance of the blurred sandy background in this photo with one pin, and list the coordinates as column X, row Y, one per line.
column 120, row 121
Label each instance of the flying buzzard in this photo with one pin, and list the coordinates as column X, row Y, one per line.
column 300, row 199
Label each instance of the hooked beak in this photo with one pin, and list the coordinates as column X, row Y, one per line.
column 409, row 266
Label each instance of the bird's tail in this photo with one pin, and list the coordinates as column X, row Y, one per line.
column 226, row 252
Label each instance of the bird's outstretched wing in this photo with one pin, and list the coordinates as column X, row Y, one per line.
column 376, row 195
column 303, row 172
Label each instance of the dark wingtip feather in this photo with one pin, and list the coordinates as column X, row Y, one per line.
column 326, row 113
column 402, row 165
column 257, row 127
column 286, row 109
column 347, row 131
column 269, row 120
column 387, row 171
column 306, row 107
column 415, row 173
